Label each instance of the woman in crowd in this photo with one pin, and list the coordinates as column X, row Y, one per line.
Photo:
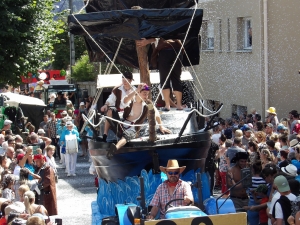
column 50, row 150
column 266, row 157
column 31, row 207
column 223, row 167
column 261, row 139
column 27, row 162
column 7, row 187
column 254, row 155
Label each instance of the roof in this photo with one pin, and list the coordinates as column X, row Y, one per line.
column 113, row 80
column 14, row 99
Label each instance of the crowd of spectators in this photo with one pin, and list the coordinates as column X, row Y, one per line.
column 270, row 148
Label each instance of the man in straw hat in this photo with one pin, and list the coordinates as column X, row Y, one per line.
column 173, row 188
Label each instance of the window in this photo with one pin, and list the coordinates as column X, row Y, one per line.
column 238, row 110
column 228, row 34
column 244, row 33
column 207, row 32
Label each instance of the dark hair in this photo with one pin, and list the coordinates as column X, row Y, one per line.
column 283, row 154
column 283, row 138
column 270, row 143
column 8, row 132
column 258, row 117
column 257, row 168
column 270, row 169
column 259, row 126
column 223, row 138
column 3, row 206
column 254, row 145
column 237, row 140
column 294, row 186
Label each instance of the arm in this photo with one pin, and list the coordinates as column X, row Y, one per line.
column 46, row 140
column 143, row 42
column 23, row 160
column 153, row 213
column 159, row 122
column 188, row 195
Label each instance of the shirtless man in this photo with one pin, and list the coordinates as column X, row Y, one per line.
column 238, row 194
column 135, row 112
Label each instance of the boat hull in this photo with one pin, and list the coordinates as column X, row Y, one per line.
column 190, row 150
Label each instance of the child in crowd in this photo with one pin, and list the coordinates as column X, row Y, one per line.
column 262, row 191
column 50, row 150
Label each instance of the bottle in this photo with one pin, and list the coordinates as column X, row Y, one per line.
column 137, row 222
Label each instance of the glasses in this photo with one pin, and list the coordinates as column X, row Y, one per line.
column 173, row 173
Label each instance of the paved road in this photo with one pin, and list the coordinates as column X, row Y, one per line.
column 75, row 194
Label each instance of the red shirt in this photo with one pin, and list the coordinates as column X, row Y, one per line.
column 3, row 221
column 263, row 217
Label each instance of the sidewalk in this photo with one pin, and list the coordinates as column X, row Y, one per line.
column 75, row 194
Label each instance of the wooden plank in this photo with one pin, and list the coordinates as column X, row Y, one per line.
column 224, row 219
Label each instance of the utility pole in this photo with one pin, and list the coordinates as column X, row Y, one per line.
column 72, row 47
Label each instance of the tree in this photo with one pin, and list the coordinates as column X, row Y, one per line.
column 27, row 35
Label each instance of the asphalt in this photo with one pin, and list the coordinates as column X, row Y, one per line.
column 75, row 194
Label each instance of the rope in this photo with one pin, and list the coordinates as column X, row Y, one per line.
column 196, row 5
column 106, row 55
column 143, row 125
column 83, row 6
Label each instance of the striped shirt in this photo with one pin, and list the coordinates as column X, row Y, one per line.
column 162, row 196
column 255, row 182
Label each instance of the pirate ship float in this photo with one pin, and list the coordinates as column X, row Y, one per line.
column 110, row 29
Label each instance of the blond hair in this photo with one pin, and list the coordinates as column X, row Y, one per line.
column 29, row 198
column 238, row 133
column 49, row 148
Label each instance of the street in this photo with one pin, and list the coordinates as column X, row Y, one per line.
column 75, row 194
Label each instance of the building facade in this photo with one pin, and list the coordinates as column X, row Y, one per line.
column 250, row 55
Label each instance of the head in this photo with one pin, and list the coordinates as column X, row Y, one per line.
column 50, row 150
column 45, row 118
column 52, row 116
column 69, row 125
column 237, row 141
column 266, row 154
column 269, row 128
column 10, row 152
column 281, row 128
column 256, row 167
column 172, row 170
column 8, row 181
column 22, row 189
column 261, row 137
column 33, row 220
column 281, row 184
column 81, row 105
column 283, row 138
column 18, row 139
column 144, row 93
column 252, row 146
column 34, row 138
column 64, row 114
column 11, row 142
column 238, row 133
column 222, row 139
column 257, row 117
column 7, row 124
column 127, row 78
column 268, row 173
column 272, row 111
column 41, row 132
column 259, row 126
column 270, row 144
column 293, row 115
column 39, row 160
column 241, row 159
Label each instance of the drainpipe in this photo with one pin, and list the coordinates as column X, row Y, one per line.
column 266, row 54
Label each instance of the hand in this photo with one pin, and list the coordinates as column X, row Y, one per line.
column 247, row 208
column 164, row 130
column 140, row 87
column 186, row 200
column 141, row 43
column 104, row 108
column 150, row 217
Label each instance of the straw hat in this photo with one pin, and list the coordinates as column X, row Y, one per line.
column 290, row 170
column 40, row 82
column 293, row 143
column 172, row 164
column 272, row 110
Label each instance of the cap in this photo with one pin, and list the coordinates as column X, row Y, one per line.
column 6, row 122
column 64, row 112
column 52, row 95
column 269, row 125
column 281, row 127
column 20, row 156
column 245, row 127
column 41, row 131
column 69, row 123
column 282, row 184
column 128, row 75
column 145, row 88
column 69, row 102
column 81, row 103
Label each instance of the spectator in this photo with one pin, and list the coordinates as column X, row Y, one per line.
column 223, row 167
column 51, row 127
column 238, row 194
column 31, row 207
column 269, row 130
column 7, row 187
column 272, row 117
column 294, row 117
column 6, row 126
column 254, row 155
column 42, row 126
column 231, row 152
column 40, row 141
column 266, row 157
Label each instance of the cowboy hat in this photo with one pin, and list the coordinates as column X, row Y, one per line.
column 290, row 170
column 272, row 110
column 171, row 165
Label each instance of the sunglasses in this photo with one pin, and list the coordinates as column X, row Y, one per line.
column 173, row 173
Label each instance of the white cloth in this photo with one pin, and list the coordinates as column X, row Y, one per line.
column 112, row 97
column 51, row 162
column 71, row 160
column 275, row 197
column 215, row 138
column 17, row 171
column 278, row 209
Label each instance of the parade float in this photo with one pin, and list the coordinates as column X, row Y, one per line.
column 128, row 181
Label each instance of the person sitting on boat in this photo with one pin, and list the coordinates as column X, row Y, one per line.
column 114, row 100
column 136, row 112
column 238, row 194
column 173, row 188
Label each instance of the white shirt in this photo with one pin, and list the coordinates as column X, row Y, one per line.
column 51, row 162
column 215, row 138
column 278, row 209
column 112, row 97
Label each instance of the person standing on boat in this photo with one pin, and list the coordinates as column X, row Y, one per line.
column 173, row 188
column 163, row 57
column 113, row 104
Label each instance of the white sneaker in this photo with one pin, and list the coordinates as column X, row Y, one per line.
column 74, row 174
column 68, row 175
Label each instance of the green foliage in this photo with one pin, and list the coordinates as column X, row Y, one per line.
column 83, row 70
column 27, row 35
column 62, row 50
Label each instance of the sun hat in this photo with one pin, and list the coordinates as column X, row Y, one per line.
column 69, row 123
column 6, row 122
column 272, row 110
column 282, row 184
column 41, row 131
column 64, row 112
column 290, row 170
column 82, row 103
column 293, row 143
column 171, row 165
